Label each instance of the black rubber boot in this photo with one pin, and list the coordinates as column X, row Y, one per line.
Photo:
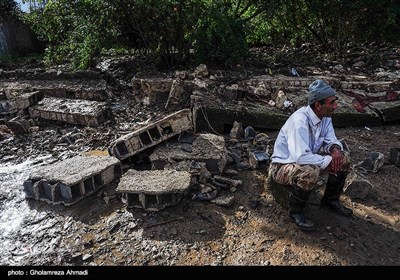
column 333, row 190
column 297, row 202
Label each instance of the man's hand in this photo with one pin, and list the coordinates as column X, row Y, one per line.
column 337, row 159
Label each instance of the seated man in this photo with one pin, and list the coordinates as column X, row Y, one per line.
column 305, row 149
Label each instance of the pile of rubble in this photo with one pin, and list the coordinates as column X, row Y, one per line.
column 175, row 123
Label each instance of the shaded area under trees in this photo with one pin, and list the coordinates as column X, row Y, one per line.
column 215, row 32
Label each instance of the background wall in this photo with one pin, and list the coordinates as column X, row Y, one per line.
column 16, row 38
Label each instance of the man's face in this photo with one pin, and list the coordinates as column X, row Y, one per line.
column 326, row 109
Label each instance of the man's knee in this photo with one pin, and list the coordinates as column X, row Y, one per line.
column 308, row 177
column 304, row 176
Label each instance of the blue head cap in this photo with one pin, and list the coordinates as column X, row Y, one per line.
column 319, row 90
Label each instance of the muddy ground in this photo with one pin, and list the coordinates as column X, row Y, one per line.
column 255, row 230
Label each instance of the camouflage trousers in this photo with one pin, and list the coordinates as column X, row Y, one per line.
column 304, row 176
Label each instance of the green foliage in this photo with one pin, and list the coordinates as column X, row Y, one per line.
column 378, row 20
column 74, row 31
column 8, row 8
column 333, row 23
column 77, row 30
column 213, row 31
column 160, row 26
column 220, row 36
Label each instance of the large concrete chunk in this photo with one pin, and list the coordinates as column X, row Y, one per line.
column 73, row 111
column 18, row 125
column 219, row 118
column 154, row 189
column 215, row 115
column 19, row 102
column 156, row 90
column 272, row 84
column 390, row 110
column 208, row 148
column 370, row 86
column 71, row 180
column 25, row 100
column 89, row 88
column 152, row 134
column 346, row 115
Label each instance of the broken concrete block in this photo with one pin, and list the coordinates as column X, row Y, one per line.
column 208, row 148
column 27, row 99
column 230, row 92
column 347, row 115
column 151, row 135
column 373, row 162
column 19, row 125
column 213, row 117
column 156, row 90
column 201, row 71
column 369, row 86
column 257, row 157
column 76, row 85
column 390, row 111
column 154, row 189
column 237, row 131
column 201, row 84
column 73, row 111
column 71, row 180
column 179, row 94
column 175, row 94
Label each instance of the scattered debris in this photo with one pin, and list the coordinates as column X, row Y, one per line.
column 373, row 162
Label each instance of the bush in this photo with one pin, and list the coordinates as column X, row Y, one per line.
column 220, row 38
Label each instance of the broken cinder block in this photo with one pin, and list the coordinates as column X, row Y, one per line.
column 208, row 148
column 72, row 111
column 151, row 135
column 154, row 189
column 71, row 180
